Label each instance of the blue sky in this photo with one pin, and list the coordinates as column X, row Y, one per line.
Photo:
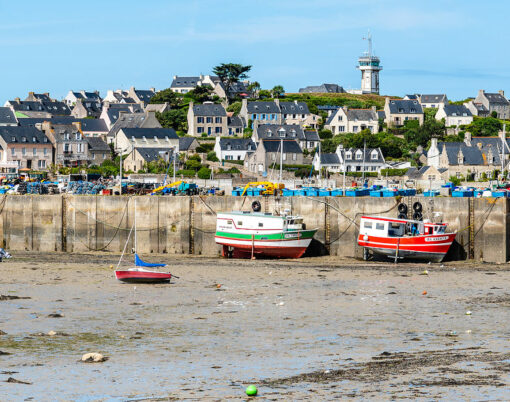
column 437, row 46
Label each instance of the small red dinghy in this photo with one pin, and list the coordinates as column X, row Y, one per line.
column 138, row 274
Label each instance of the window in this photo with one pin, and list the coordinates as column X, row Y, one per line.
column 13, row 139
column 263, row 116
column 341, row 129
column 77, row 136
column 23, row 151
column 413, row 110
column 41, row 164
column 281, row 132
column 284, row 157
column 67, row 148
column 355, row 129
column 269, row 133
column 217, row 120
column 340, row 118
column 374, row 155
column 23, row 139
column 358, row 155
column 294, row 157
column 34, row 139
column 348, row 155
column 273, row 156
column 45, row 151
column 254, row 116
column 200, row 130
column 66, row 136
column 217, row 130
column 209, row 120
column 239, row 223
column 200, row 119
column 34, row 151
column 261, row 225
column 80, row 148
column 379, row 226
column 367, row 225
column 13, row 151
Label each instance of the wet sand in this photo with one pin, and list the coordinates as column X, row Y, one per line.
column 314, row 328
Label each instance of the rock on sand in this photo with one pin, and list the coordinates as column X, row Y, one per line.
column 93, row 358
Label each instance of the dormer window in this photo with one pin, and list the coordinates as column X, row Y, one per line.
column 23, row 139
column 34, row 139
column 348, row 155
column 293, row 133
column 77, row 136
column 144, row 139
column 374, row 155
column 269, row 133
column 155, row 138
column 454, row 114
column 167, row 139
column 229, row 147
column 132, row 138
column 281, row 132
column 13, row 139
column 400, row 110
column 358, row 155
column 45, row 139
column 413, row 110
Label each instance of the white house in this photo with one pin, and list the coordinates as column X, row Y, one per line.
column 233, row 149
column 454, row 115
column 433, row 101
column 345, row 120
column 351, row 160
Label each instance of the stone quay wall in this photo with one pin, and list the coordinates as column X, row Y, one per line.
column 186, row 225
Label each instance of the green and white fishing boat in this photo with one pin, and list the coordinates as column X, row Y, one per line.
column 258, row 234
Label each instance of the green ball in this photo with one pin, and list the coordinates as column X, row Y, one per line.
column 251, row 390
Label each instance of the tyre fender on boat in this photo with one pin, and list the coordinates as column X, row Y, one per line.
column 402, row 208
column 255, row 205
column 417, row 207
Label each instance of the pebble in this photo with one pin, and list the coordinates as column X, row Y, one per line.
column 468, row 312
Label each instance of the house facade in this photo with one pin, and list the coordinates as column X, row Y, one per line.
column 24, row 147
column 345, row 120
column 128, row 139
column 38, row 108
column 207, row 120
column 494, row 102
column 188, row 145
column 398, row 111
column 433, row 101
column 70, row 147
column 278, row 112
column 235, row 125
column 72, row 97
column 351, row 160
column 98, row 150
column 477, row 109
column 269, row 152
column 132, row 120
column 140, row 156
column 233, row 149
column 455, row 116
column 307, row 139
column 86, row 108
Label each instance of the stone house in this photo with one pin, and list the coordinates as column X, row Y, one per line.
column 86, row 109
column 350, row 160
column 234, row 149
column 298, row 113
column 7, row 117
column 70, row 147
column 208, row 119
column 72, row 97
column 426, row 177
column 89, row 127
column 185, row 84
column 307, row 139
column 98, row 150
column 477, row 109
column 111, row 111
column 474, row 156
column 118, row 96
column 44, row 97
column 268, row 154
column 132, row 120
column 398, row 111
column 137, row 159
column 494, row 102
column 141, row 96
column 455, row 116
column 38, row 108
column 324, row 89
column 433, row 101
column 128, row 139
column 24, row 147
column 158, row 107
column 235, row 125
column 345, row 120
column 188, row 145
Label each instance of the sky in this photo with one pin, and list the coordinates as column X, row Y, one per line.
column 437, row 46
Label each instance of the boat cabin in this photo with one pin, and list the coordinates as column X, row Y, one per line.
column 258, row 222
column 388, row 227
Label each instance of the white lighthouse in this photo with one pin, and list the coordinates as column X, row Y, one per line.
column 369, row 65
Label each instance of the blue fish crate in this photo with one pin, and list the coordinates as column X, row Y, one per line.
column 462, row 193
column 324, row 193
column 357, row 193
column 500, row 194
column 390, row 193
column 236, row 193
column 300, row 192
column 410, row 192
column 311, row 192
column 287, row 192
column 376, row 193
column 432, row 193
column 337, row 193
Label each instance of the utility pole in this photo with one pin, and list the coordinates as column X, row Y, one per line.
column 281, row 158
column 175, row 155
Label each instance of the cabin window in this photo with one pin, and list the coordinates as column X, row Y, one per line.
column 367, row 225
column 379, row 226
column 261, row 225
column 239, row 223
column 229, row 222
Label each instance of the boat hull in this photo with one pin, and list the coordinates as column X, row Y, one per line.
column 275, row 245
column 423, row 248
column 134, row 276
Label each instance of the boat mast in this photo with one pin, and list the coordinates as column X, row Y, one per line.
column 281, row 158
column 503, row 141
column 135, row 225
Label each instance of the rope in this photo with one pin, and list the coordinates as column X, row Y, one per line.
column 210, row 209
column 125, row 246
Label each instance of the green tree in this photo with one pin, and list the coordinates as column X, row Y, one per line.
column 201, row 94
column 204, row 173
column 254, row 88
column 174, row 118
column 174, row 99
column 323, row 134
column 484, row 127
column 229, row 74
column 211, row 156
column 277, row 91
column 264, row 94
column 494, row 114
column 234, row 107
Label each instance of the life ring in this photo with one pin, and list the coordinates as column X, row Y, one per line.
column 255, row 205
column 417, row 207
column 402, row 208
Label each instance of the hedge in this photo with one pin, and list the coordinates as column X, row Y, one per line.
column 393, row 172
column 186, row 173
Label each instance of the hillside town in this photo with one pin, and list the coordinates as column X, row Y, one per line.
column 225, row 125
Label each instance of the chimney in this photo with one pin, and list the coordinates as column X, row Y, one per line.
column 277, row 101
column 433, row 142
column 374, row 109
column 481, row 92
column 48, row 94
column 479, row 145
column 467, row 138
column 153, row 89
column 174, row 77
column 201, row 77
column 502, row 93
column 244, row 103
column 295, row 102
column 17, row 100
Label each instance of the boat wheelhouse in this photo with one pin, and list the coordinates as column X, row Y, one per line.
column 403, row 238
column 258, row 234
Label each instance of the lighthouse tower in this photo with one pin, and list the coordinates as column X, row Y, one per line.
column 369, row 65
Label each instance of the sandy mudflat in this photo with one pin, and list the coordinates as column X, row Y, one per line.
column 316, row 329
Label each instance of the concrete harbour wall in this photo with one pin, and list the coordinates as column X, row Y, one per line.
column 186, row 225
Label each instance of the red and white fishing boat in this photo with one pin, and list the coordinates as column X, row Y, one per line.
column 403, row 238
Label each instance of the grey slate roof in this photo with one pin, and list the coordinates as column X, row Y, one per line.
column 472, row 154
column 160, row 133
column 289, row 146
column 153, row 154
column 55, row 108
column 144, row 95
column 262, row 107
column 311, row 135
column 496, row 99
column 16, row 134
column 292, row 131
column 209, row 109
column 294, row 107
column 411, row 97
column 237, row 144
column 366, row 157
column 7, row 116
column 457, row 110
column 235, row 121
column 185, row 82
column 361, row 115
column 330, row 159
column 438, row 98
column 381, row 114
column 87, row 125
column 97, row 144
column 185, row 143
column 400, row 106
column 324, row 88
